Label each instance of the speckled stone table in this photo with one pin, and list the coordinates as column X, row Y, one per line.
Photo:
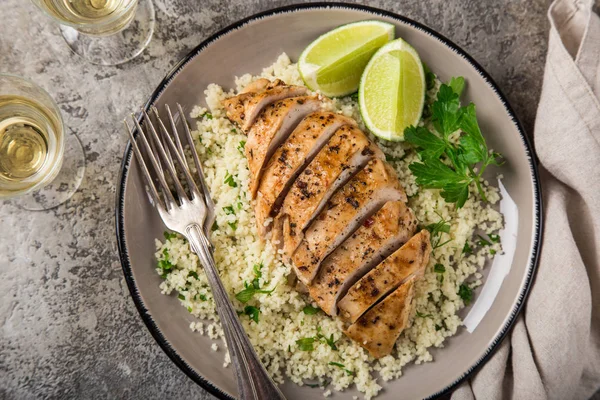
column 68, row 326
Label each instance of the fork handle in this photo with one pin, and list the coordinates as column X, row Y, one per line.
column 252, row 379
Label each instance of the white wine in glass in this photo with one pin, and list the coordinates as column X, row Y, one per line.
column 106, row 32
column 33, row 146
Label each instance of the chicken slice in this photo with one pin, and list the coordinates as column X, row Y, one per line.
column 378, row 329
column 271, row 128
column 289, row 160
column 347, row 151
column 347, row 209
column 408, row 261
column 260, row 85
column 244, row 108
column 378, row 237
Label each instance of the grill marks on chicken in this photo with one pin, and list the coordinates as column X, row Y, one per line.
column 244, row 108
column 271, row 128
column 408, row 261
column 378, row 237
column 339, row 212
column 344, row 155
column 290, row 159
column 378, row 329
column 358, row 199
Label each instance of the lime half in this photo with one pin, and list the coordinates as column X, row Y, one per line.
column 392, row 90
column 335, row 61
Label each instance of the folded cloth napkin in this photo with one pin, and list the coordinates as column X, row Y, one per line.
column 553, row 351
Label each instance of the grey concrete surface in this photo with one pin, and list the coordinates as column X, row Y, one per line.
column 68, row 326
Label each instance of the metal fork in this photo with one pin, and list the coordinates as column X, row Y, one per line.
column 187, row 210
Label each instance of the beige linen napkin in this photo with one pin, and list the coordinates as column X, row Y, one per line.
column 553, row 352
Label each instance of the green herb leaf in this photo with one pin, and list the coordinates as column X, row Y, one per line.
column 257, row 268
column 421, row 315
column 432, row 146
column 457, row 84
column 248, row 293
column 252, row 312
column 389, row 158
column 193, row 274
column 233, row 225
column 467, row 249
column 229, row 180
column 241, row 146
column 316, row 385
column 310, row 310
column 342, row 366
column 189, row 309
column 214, row 226
column 169, row 235
column 445, row 111
column 306, row 344
column 229, row 210
column 429, row 77
column 439, row 268
column 482, row 241
column 200, row 296
column 445, row 165
column 181, row 297
column 465, row 293
column 494, row 238
column 436, row 230
column 327, row 340
column 207, row 115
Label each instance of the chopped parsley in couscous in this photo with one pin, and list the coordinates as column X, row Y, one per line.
column 293, row 337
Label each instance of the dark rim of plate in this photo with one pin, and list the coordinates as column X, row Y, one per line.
column 120, row 225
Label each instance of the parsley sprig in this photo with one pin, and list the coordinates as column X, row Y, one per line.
column 445, row 165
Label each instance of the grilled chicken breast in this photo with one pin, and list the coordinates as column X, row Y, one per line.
column 271, row 128
column 378, row 237
column 343, row 155
column 378, row 329
column 244, row 108
column 408, row 261
column 291, row 158
column 339, row 212
column 347, row 209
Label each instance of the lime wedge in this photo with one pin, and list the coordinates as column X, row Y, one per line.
column 335, row 61
column 392, row 90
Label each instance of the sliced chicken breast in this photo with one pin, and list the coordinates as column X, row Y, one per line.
column 271, row 128
column 407, row 262
column 378, row 237
column 244, row 108
column 344, row 155
column 347, row 209
column 379, row 328
column 291, row 158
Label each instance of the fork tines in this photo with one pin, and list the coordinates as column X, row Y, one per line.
column 166, row 152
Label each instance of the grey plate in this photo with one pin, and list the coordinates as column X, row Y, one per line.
column 255, row 42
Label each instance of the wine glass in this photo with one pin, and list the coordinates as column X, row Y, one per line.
column 41, row 166
column 105, row 32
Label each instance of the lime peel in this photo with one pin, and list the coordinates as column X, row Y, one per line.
column 334, row 62
column 391, row 93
